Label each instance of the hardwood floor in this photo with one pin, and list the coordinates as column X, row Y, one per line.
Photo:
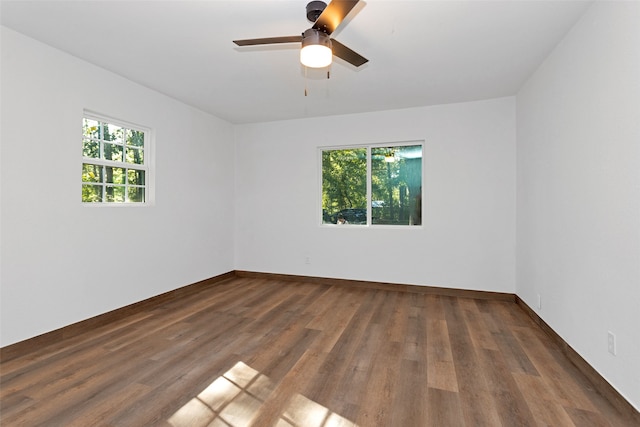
column 275, row 353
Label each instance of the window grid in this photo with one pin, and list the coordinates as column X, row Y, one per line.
column 115, row 162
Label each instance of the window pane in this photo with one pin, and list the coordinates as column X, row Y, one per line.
column 113, row 152
column 135, row 138
column 90, row 148
column 109, row 131
column 396, row 177
column 344, row 186
column 135, row 177
column 136, row 194
column 114, row 194
column 117, row 134
column 91, row 173
column 114, row 175
column 135, row 155
column 91, row 193
column 91, row 129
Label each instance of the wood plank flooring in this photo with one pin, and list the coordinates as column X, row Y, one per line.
column 257, row 352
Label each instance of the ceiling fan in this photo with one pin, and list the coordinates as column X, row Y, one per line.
column 317, row 47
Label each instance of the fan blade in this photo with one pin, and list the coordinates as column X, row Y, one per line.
column 333, row 15
column 352, row 57
column 269, row 40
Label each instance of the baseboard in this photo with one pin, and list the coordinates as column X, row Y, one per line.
column 601, row 385
column 433, row 290
column 29, row 345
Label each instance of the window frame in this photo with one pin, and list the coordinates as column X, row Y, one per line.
column 369, row 147
column 146, row 166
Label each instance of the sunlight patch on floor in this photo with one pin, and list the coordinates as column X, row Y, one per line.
column 235, row 398
column 305, row 412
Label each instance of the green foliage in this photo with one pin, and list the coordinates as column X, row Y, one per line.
column 135, row 138
column 344, row 179
column 395, row 184
column 91, row 193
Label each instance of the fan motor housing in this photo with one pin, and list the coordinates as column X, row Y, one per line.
column 314, row 10
column 315, row 37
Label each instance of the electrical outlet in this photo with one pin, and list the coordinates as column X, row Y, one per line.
column 539, row 302
column 611, row 342
column 307, row 260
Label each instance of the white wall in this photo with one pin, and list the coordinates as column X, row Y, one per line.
column 62, row 262
column 468, row 238
column 578, row 189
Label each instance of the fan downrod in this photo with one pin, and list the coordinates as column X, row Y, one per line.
column 314, row 10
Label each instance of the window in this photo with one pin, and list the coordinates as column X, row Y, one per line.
column 372, row 185
column 115, row 161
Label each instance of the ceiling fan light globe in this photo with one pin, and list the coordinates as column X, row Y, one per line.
column 316, row 56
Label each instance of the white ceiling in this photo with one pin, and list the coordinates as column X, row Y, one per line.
column 420, row 52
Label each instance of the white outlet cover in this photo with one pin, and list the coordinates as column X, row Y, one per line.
column 611, row 342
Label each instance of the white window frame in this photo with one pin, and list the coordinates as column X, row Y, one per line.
column 146, row 166
column 369, row 147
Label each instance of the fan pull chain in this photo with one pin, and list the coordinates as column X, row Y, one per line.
column 305, row 81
